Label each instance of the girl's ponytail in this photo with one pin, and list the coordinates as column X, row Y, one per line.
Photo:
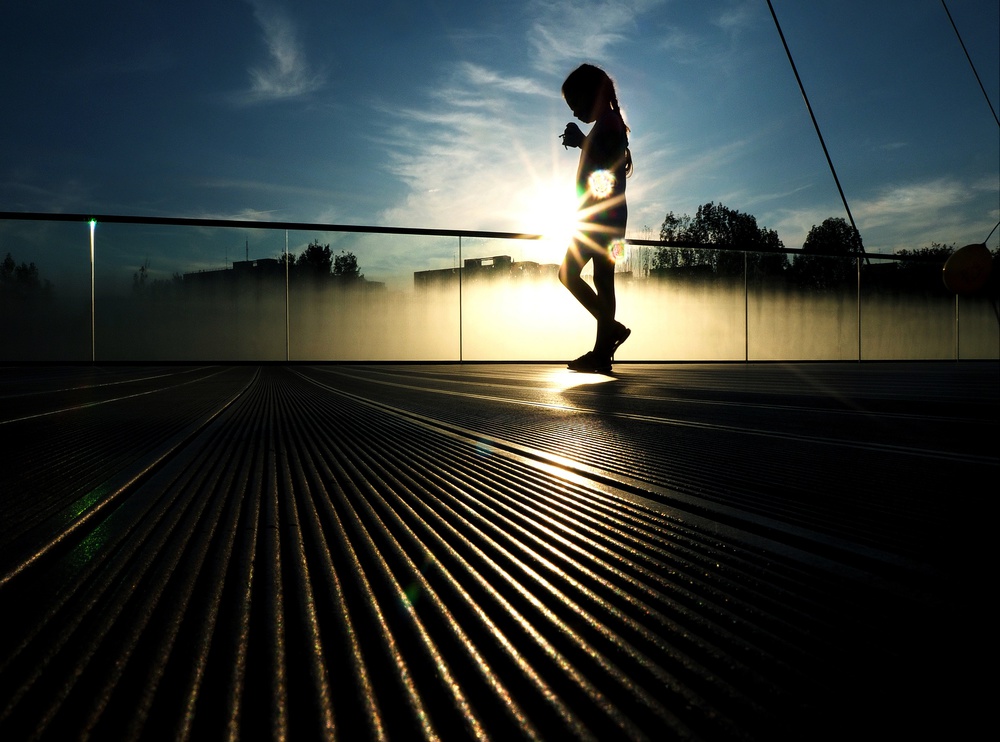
column 616, row 107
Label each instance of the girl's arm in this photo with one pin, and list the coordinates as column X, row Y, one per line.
column 572, row 136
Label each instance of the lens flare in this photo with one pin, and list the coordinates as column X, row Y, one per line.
column 601, row 183
column 617, row 250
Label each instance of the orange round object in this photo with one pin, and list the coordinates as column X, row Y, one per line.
column 968, row 269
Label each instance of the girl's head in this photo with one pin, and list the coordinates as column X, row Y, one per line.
column 589, row 91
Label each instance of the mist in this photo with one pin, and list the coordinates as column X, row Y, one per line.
column 496, row 319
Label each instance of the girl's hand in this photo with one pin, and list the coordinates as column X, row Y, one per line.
column 572, row 137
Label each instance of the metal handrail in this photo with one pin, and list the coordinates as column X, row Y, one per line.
column 176, row 221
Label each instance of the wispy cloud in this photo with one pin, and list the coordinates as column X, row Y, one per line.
column 911, row 215
column 286, row 73
column 917, row 201
column 681, row 43
column 939, row 210
column 736, row 17
column 485, row 146
column 567, row 31
column 462, row 160
column 482, row 77
column 478, row 156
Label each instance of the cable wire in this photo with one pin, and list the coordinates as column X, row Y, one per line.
column 819, row 133
column 973, row 66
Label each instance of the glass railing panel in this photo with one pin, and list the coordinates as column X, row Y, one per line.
column 390, row 297
column 906, row 312
column 181, row 293
column 691, row 305
column 978, row 325
column 513, row 305
column 45, row 291
column 802, row 307
column 197, row 290
column 515, row 308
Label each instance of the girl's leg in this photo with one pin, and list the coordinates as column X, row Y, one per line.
column 569, row 275
column 604, row 280
column 600, row 303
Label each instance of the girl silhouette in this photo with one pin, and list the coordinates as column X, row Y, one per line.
column 605, row 162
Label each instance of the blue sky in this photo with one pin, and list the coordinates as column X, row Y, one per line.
column 446, row 113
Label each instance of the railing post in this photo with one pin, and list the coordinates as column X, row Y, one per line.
column 93, row 300
column 461, row 354
column 958, row 331
column 286, row 297
column 746, row 309
column 857, row 263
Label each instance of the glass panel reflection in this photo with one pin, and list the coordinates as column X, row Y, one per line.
column 207, row 291
column 44, row 291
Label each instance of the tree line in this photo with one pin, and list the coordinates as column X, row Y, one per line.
column 828, row 257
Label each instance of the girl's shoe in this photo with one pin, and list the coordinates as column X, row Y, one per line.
column 590, row 362
column 619, row 335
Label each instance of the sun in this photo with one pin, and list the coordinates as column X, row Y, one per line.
column 549, row 209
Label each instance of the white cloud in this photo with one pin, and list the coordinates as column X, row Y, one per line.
column 481, row 156
column 462, row 163
column 481, row 77
column 566, row 32
column 911, row 215
column 683, row 44
column 737, row 17
column 921, row 202
column 286, row 73
column 486, row 146
column 940, row 210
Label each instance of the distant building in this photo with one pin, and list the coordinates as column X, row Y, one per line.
column 496, row 267
column 247, row 272
column 241, row 270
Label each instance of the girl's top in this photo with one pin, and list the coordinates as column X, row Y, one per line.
column 600, row 178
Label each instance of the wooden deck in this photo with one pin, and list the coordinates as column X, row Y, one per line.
column 691, row 551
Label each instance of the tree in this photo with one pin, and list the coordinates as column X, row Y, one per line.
column 315, row 260
column 345, row 267
column 145, row 287
column 716, row 224
column 21, row 281
column 140, row 277
column 833, row 237
column 920, row 272
column 678, row 229
column 824, row 260
column 318, row 262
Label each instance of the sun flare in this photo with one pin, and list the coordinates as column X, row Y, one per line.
column 601, row 183
column 552, row 213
